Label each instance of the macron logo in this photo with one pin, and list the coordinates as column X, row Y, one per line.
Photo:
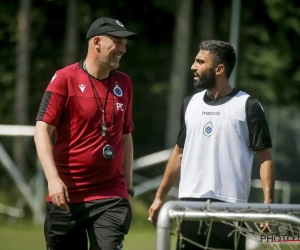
column 55, row 75
column 210, row 113
column 82, row 87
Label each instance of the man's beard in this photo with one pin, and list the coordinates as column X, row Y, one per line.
column 106, row 63
column 207, row 80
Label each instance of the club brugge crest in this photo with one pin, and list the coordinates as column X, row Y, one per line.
column 118, row 91
column 119, row 23
column 208, row 129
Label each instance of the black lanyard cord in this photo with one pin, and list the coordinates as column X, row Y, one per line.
column 97, row 97
column 102, row 118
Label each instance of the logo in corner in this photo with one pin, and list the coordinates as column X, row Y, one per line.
column 119, row 23
column 208, row 129
column 118, row 91
column 53, row 77
column 82, row 87
column 120, row 247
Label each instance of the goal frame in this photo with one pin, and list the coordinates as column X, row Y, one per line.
column 202, row 210
column 31, row 193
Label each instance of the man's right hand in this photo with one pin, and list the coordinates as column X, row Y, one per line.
column 58, row 193
column 154, row 210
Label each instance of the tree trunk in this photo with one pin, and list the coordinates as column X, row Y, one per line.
column 206, row 20
column 71, row 39
column 180, row 68
column 22, row 80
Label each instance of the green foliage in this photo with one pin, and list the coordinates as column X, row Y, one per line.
column 268, row 57
column 166, row 5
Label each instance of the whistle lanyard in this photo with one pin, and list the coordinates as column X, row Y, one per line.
column 102, row 117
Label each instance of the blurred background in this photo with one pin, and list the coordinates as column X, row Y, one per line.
column 38, row 37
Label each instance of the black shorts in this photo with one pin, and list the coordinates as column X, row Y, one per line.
column 218, row 236
column 103, row 222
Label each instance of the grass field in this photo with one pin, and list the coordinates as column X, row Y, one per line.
column 25, row 236
column 32, row 238
column 142, row 236
column 20, row 238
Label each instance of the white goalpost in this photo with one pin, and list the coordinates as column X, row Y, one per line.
column 282, row 222
column 31, row 193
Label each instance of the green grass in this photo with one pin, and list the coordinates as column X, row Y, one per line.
column 25, row 236
column 140, row 240
column 17, row 238
column 20, row 238
column 30, row 237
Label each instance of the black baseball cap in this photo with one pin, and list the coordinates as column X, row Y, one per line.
column 110, row 26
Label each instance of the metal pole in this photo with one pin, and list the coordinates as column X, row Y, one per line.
column 163, row 238
column 173, row 209
column 28, row 195
column 164, row 214
column 234, row 34
column 229, row 216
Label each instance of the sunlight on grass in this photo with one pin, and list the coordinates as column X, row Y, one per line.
column 33, row 238
column 20, row 238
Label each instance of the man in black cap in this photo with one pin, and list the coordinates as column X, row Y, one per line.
column 89, row 168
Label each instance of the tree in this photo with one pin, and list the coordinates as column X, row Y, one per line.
column 179, row 71
column 22, row 80
column 206, row 20
column 71, row 40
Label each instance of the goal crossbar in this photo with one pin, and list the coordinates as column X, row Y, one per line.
column 220, row 211
column 16, row 130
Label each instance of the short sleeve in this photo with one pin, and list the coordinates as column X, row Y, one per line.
column 182, row 131
column 53, row 101
column 259, row 134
